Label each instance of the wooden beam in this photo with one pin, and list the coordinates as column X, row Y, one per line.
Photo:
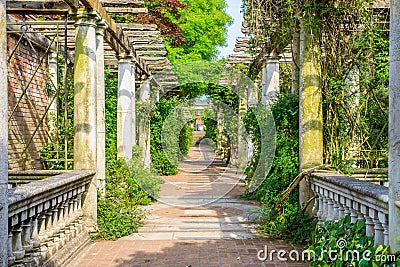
column 131, row 10
column 18, row 4
column 39, row 11
column 122, row 2
column 137, row 26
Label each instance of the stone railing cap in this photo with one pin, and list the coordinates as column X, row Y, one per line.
column 378, row 192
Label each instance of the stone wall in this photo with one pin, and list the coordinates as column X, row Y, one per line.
column 26, row 112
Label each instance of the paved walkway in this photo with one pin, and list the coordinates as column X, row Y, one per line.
column 198, row 221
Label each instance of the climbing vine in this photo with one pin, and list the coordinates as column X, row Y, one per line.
column 353, row 41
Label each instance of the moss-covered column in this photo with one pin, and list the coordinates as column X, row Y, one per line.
column 144, row 124
column 52, row 113
column 101, row 106
column 242, row 144
column 3, row 137
column 295, row 62
column 270, row 79
column 126, row 89
column 85, row 109
column 310, row 97
column 394, row 127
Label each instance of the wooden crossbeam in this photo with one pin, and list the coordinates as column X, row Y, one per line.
column 131, row 10
column 122, row 2
column 137, row 26
column 51, row 4
column 151, row 52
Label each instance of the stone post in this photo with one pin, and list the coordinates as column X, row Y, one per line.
column 296, row 63
column 126, row 101
column 394, row 127
column 252, row 99
column 52, row 113
column 144, row 124
column 310, row 105
column 242, row 146
column 85, row 109
column 134, row 130
column 101, row 106
column 3, row 137
column 270, row 80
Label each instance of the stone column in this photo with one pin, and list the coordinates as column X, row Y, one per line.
column 310, row 121
column 3, row 137
column 242, row 146
column 101, row 106
column 295, row 63
column 394, row 127
column 134, row 130
column 144, row 124
column 85, row 108
column 52, row 113
column 252, row 99
column 126, row 100
column 270, row 80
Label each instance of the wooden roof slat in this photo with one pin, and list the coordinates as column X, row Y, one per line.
column 151, row 52
column 131, row 10
column 137, row 26
column 50, row 4
column 122, row 2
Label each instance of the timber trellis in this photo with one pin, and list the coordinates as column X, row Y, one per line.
column 44, row 45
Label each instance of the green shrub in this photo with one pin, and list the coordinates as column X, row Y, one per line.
column 338, row 244
column 168, row 147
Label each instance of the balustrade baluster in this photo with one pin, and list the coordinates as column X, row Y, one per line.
column 27, row 244
column 17, row 248
column 383, row 219
column 11, row 257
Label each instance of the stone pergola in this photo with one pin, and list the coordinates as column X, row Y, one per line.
column 93, row 41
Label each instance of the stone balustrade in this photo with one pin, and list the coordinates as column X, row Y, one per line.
column 338, row 195
column 45, row 219
column 16, row 178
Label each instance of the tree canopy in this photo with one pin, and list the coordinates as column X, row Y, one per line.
column 204, row 26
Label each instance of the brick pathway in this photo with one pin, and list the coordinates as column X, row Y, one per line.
column 198, row 221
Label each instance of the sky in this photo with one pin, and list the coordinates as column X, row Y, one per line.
column 234, row 7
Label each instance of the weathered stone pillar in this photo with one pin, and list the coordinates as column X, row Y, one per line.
column 353, row 102
column 101, row 106
column 296, row 63
column 242, row 142
column 144, row 124
column 126, row 89
column 85, row 108
column 3, row 137
column 310, row 121
column 52, row 113
column 394, row 127
column 270, row 79
column 252, row 99
column 134, row 130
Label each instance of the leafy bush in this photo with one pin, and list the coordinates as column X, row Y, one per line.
column 168, row 147
column 293, row 224
column 338, row 244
